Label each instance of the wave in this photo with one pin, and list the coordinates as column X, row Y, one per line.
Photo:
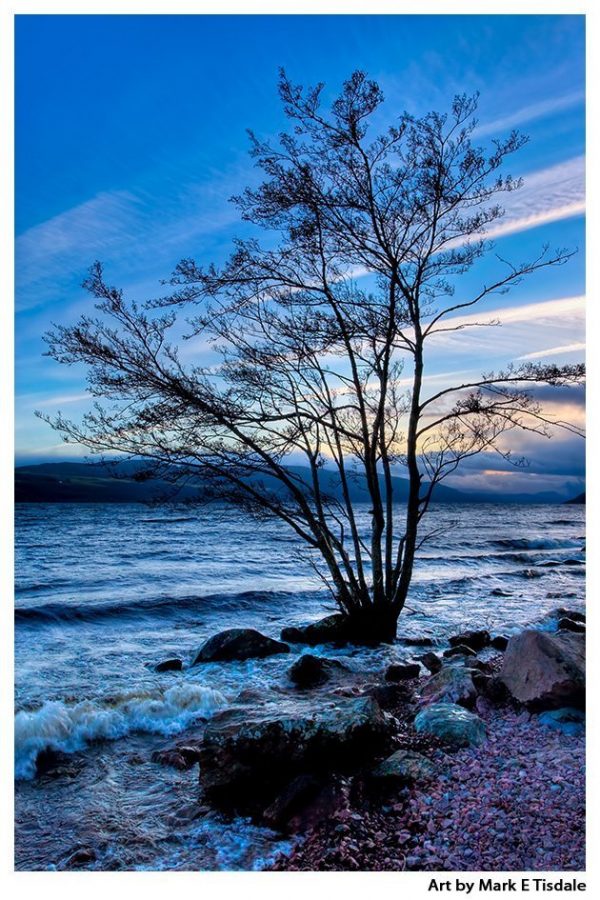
column 534, row 543
column 69, row 728
column 91, row 612
column 160, row 521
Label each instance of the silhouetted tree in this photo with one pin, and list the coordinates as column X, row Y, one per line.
column 313, row 364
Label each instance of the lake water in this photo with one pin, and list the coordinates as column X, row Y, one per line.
column 104, row 592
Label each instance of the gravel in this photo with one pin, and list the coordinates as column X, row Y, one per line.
column 514, row 804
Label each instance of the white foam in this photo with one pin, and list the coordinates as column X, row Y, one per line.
column 69, row 727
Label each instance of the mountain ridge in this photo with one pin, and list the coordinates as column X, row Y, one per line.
column 69, row 482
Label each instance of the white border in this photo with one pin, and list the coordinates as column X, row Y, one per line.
column 164, row 884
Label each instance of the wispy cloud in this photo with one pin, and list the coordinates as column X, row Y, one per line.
column 554, row 351
column 133, row 231
column 529, row 113
column 548, row 195
column 548, row 323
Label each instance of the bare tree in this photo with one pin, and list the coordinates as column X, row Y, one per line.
column 313, row 365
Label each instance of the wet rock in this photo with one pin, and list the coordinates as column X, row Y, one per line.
column 421, row 641
column 331, row 629
column 238, row 644
column 173, row 664
column 479, row 665
column 459, row 650
column 293, row 799
column 181, row 756
column 80, row 858
column 499, row 592
column 311, row 671
column 566, row 624
column 499, row 642
column 431, row 661
column 240, row 761
column 567, row 719
column 391, row 695
column 491, row 687
column 402, row 671
column 404, row 767
column 475, row 640
column 55, row 764
column 545, row 671
column 451, row 685
column 570, row 614
column 452, row 724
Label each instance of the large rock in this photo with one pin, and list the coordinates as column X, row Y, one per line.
column 253, row 760
column 402, row 671
column 292, row 799
column 311, row 671
column 451, row 724
column 499, row 642
column 238, row 643
column 566, row 624
column 572, row 614
column 331, row 629
column 545, row 671
column 452, row 685
column 474, row 640
column 402, row 768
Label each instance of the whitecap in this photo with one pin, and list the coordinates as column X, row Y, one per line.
column 64, row 727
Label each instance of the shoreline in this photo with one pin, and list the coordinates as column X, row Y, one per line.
column 529, row 776
column 489, row 811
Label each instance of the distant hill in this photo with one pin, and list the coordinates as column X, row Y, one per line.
column 580, row 498
column 70, row 482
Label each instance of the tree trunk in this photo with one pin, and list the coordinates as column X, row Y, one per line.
column 375, row 625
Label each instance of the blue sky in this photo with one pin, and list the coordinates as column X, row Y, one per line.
column 131, row 137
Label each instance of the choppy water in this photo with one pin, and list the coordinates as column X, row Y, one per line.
column 105, row 592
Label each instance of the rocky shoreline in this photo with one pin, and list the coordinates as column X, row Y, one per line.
column 466, row 759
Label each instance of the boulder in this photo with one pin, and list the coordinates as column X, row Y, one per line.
column 331, row 629
column 391, row 695
column 544, row 670
column 238, row 643
column 451, row 724
column 474, row 640
column 459, row 650
column 499, row 642
column 403, row 767
column 570, row 614
column 431, row 661
column 402, row 671
column 292, row 799
column 173, row 664
column 245, row 762
column 451, row 685
column 311, row 671
column 566, row 624
column 567, row 719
